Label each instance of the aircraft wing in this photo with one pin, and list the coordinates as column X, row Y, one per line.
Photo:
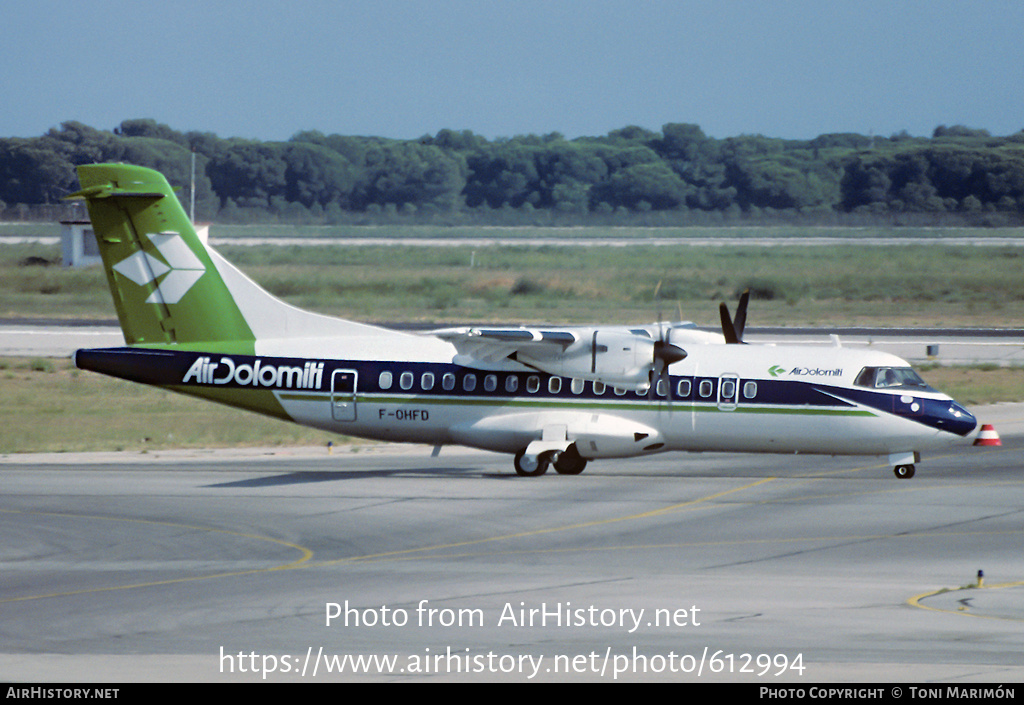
column 495, row 344
column 616, row 355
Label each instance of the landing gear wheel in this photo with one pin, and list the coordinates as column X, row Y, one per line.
column 570, row 462
column 904, row 472
column 530, row 466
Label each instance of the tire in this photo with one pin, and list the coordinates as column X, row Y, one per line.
column 526, row 468
column 904, row 472
column 570, row 462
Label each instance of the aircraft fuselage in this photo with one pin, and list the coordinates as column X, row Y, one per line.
column 720, row 398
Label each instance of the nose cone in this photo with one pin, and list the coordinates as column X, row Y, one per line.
column 953, row 417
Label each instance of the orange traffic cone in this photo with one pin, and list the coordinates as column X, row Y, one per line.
column 988, row 436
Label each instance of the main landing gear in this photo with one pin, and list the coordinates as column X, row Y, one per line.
column 566, row 462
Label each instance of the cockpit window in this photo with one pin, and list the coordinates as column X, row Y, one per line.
column 891, row 378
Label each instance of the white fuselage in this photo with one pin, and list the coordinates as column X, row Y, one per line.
column 722, row 398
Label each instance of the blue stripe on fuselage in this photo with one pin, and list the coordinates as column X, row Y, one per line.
column 165, row 367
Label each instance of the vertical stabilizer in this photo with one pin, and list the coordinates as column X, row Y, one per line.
column 165, row 285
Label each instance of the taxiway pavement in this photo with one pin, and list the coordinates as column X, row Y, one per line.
column 224, row 565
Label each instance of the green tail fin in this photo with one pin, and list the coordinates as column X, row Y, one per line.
column 165, row 285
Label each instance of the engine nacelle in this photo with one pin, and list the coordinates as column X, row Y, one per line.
column 617, row 358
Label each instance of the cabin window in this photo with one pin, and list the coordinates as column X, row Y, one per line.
column 619, row 391
column 706, row 388
column 749, row 390
column 405, row 381
column 427, row 381
column 555, row 385
column 599, row 388
column 448, row 382
column 533, row 384
column 490, row 383
column 576, row 386
column 661, row 389
column 385, row 380
column 469, row 383
column 511, row 384
column 683, row 389
column 728, row 388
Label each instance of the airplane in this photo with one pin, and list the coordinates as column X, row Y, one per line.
column 550, row 396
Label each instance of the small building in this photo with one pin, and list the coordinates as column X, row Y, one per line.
column 78, row 242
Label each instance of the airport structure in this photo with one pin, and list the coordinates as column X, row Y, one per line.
column 78, row 242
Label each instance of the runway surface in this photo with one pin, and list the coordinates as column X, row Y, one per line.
column 495, row 240
column 951, row 347
column 208, row 566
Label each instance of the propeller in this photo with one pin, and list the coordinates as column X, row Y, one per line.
column 732, row 328
column 665, row 353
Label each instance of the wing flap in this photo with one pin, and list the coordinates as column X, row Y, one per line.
column 494, row 344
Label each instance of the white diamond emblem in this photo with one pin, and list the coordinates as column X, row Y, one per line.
column 183, row 268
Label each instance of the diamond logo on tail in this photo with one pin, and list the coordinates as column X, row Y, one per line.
column 181, row 267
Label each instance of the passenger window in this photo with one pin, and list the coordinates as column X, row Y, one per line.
column 576, row 386
column 706, row 388
column 599, row 388
column 728, row 389
column 490, row 383
column 405, row 381
column 661, row 389
column 427, row 381
column 448, row 382
column 555, row 385
column 385, row 380
column 469, row 383
column 683, row 389
column 619, row 391
column 511, row 384
column 533, row 384
column 749, row 390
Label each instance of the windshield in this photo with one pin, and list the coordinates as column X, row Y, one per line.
column 890, row 378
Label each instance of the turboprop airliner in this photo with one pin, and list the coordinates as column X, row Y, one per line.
column 549, row 396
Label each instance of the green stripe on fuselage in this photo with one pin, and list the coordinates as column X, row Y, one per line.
column 601, row 405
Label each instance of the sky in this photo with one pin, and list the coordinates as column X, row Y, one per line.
column 407, row 68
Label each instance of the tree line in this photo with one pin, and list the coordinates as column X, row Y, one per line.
column 632, row 175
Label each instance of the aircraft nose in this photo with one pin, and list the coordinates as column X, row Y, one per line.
column 957, row 419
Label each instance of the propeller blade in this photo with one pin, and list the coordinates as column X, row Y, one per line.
column 665, row 353
column 659, row 367
column 740, row 322
column 727, row 328
column 732, row 329
column 668, row 389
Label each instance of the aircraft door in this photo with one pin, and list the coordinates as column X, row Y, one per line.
column 728, row 391
column 343, row 395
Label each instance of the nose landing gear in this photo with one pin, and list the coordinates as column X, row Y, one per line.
column 904, row 472
column 903, row 464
